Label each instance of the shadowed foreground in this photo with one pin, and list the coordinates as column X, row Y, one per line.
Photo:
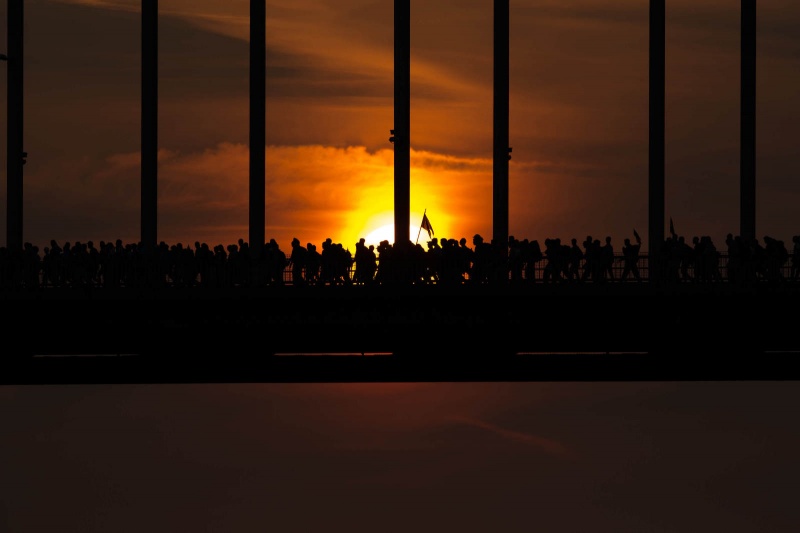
column 596, row 332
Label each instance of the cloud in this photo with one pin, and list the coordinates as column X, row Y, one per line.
column 132, row 6
column 312, row 191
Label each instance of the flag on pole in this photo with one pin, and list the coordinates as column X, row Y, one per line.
column 671, row 227
column 638, row 239
column 426, row 225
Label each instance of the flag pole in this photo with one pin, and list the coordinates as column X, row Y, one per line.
column 420, row 225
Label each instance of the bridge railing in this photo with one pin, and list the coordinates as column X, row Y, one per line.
column 137, row 273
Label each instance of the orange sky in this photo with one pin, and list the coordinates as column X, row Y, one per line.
column 404, row 457
column 578, row 121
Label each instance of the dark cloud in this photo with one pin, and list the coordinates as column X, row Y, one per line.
column 292, row 76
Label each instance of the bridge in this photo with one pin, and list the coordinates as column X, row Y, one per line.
column 406, row 332
column 431, row 332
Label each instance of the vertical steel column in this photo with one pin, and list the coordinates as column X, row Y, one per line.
column 149, row 179
column 747, row 154
column 258, row 110
column 14, row 157
column 656, row 164
column 501, row 148
column 402, row 120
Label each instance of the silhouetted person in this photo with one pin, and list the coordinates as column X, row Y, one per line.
column 498, row 271
column 372, row 264
column 710, row 260
column 327, row 262
column 276, row 262
column 574, row 260
column 298, row 261
column 415, row 261
column 249, row 263
column 516, row 261
column 408, row 259
column 342, row 262
column 32, row 263
column 758, row 259
column 482, row 259
column 365, row 263
column 55, row 265
column 94, row 262
column 590, row 258
column 555, row 260
column 685, row 258
column 49, row 273
column 465, row 255
column 776, row 257
column 432, row 261
column 607, row 257
column 386, row 273
column 533, row 255
column 449, row 267
column 313, row 262
column 630, row 256
column 733, row 264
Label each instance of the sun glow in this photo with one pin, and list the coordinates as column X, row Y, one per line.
column 386, row 233
column 351, row 194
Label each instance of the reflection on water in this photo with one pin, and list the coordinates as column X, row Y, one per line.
column 418, row 456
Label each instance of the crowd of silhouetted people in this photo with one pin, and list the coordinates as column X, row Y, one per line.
column 441, row 261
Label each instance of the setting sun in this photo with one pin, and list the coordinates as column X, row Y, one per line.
column 386, row 233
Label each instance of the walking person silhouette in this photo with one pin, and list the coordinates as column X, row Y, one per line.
column 630, row 256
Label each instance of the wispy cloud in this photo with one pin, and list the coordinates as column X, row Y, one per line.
column 114, row 5
column 230, row 19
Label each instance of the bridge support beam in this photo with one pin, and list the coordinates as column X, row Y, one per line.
column 747, row 154
column 258, row 140
column 149, row 165
column 501, row 151
column 402, row 120
column 657, row 137
column 15, row 156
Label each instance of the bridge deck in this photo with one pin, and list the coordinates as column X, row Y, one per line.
column 430, row 333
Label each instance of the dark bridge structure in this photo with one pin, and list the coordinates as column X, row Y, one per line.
column 403, row 332
column 600, row 331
